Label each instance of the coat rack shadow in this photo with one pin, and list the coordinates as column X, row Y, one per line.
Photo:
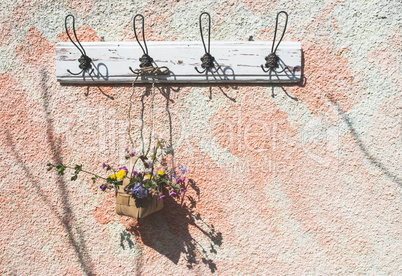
column 303, row 79
column 99, row 75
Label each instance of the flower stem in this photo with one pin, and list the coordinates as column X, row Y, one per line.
column 86, row 172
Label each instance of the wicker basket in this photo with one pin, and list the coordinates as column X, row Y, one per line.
column 127, row 205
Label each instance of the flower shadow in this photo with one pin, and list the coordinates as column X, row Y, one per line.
column 174, row 231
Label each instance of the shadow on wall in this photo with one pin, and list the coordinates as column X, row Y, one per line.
column 168, row 232
column 65, row 215
column 101, row 90
column 374, row 161
column 302, row 82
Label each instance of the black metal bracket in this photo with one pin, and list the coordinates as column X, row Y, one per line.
column 84, row 60
column 207, row 59
column 146, row 60
column 272, row 60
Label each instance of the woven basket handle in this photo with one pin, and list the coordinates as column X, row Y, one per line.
column 131, row 163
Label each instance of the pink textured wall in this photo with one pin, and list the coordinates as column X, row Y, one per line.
column 306, row 182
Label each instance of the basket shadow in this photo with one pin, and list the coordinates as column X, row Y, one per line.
column 173, row 232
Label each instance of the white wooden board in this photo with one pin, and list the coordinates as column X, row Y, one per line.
column 240, row 62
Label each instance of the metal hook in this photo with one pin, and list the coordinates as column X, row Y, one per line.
column 207, row 59
column 272, row 60
column 146, row 60
column 84, row 60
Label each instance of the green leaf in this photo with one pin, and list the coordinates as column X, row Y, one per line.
column 60, row 169
column 77, row 169
column 73, row 178
column 175, row 186
column 48, row 169
column 94, row 179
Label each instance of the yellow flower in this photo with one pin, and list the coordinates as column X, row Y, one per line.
column 121, row 174
column 160, row 172
column 113, row 176
column 148, row 176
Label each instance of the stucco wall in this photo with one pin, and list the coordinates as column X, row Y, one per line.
column 306, row 182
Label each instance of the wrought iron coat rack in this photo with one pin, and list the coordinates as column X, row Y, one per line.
column 235, row 62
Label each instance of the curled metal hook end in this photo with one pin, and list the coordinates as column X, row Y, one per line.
column 208, row 69
column 137, row 72
column 75, row 74
column 200, row 72
column 85, row 65
column 79, row 73
column 274, row 70
column 263, row 69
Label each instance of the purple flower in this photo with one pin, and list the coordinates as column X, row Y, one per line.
column 102, row 187
column 183, row 169
column 182, row 192
column 131, row 154
column 138, row 191
column 180, row 180
column 172, row 193
column 134, row 173
column 162, row 196
column 104, row 165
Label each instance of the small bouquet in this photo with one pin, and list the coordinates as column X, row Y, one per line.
column 138, row 193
